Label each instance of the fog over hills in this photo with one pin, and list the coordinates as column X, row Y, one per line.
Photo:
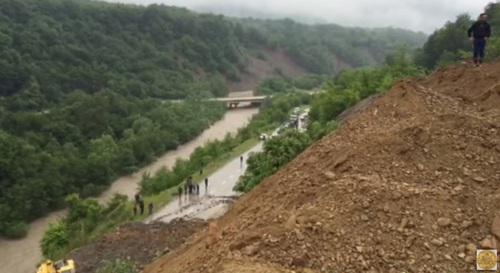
column 418, row 15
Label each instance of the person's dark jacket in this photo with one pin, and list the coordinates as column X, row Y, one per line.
column 480, row 30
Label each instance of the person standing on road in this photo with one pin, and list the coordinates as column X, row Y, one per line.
column 141, row 205
column 479, row 33
column 206, row 185
column 138, row 200
column 150, row 208
column 241, row 162
column 190, row 184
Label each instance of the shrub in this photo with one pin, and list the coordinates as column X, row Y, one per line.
column 55, row 239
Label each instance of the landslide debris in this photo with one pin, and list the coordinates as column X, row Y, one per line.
column 410, row 183
column 136, row 242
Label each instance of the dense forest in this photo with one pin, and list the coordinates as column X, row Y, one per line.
column 450, row 43
column 66, row 45
column 83, row 146
column 85, row 87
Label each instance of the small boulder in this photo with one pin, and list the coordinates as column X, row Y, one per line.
column 488, row 243
column 250, row 250
column 470, row 259
column 479, row 179
column 437, row 242
column 444, row 222
column 330, row 175
column 471, row 248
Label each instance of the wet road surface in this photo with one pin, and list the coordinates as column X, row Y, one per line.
column 212, row 202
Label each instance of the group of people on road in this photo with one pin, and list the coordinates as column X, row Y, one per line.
column 188, row 189
column 191, row 188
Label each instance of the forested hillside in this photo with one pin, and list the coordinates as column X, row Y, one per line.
column 83, row 86
column 67, row 45
column 63, row 45
column 450, row 43
column 329, row 48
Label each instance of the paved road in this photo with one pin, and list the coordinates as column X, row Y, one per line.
column 208, row 204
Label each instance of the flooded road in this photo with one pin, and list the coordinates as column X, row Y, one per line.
column 211, row 202
column 21, row 256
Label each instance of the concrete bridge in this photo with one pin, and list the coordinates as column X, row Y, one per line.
column 234, row 102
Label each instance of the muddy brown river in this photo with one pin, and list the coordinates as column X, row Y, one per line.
column 21, row 256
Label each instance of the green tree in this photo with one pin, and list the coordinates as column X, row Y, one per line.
column 444, row 44
column 55, row 239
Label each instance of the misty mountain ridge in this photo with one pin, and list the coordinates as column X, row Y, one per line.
column 240, row 11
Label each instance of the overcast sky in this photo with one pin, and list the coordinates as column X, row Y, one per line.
column 421, row 15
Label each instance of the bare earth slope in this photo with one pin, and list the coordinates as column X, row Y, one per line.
column 273, row 63
column 409, row 184
column 137, row 242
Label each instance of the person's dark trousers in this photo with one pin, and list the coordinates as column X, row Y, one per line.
column 479, row 48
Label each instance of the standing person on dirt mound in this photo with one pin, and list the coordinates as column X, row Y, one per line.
column 479, row 33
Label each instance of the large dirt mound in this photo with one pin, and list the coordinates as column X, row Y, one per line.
column 136, row 242
column 410, row 183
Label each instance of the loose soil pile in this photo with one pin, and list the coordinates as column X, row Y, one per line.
column 137, row 242
column 410, row 183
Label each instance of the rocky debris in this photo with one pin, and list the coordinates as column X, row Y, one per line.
column 136, row 242
column 410, row 189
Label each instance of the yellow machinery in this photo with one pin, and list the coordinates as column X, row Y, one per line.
column 62, row 266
